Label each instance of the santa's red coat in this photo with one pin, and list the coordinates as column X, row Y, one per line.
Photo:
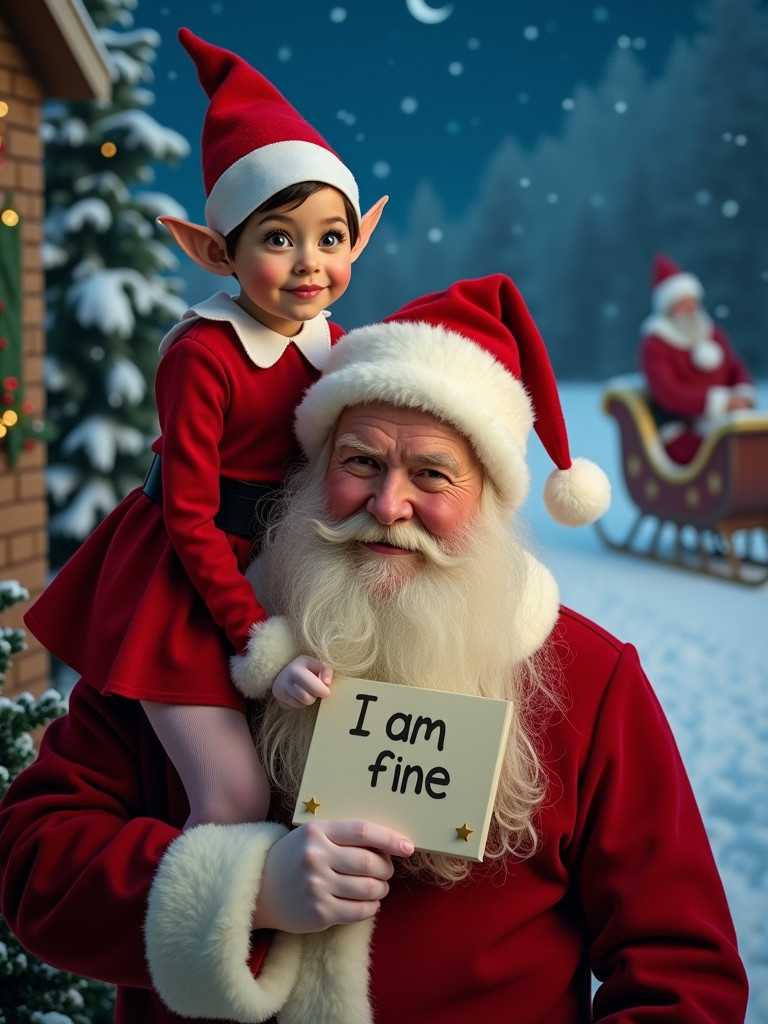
column 624, row 884
column 154, row 602
column 692, row 399
column 678, row 386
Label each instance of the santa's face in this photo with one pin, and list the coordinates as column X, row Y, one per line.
column 686, row 306
column 690, row 321
column 414, row 475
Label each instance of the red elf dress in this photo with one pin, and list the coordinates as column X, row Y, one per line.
column 154, row 602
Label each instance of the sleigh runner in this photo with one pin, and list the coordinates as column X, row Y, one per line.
column 710, row 516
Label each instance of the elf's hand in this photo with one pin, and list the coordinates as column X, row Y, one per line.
column 302, row 682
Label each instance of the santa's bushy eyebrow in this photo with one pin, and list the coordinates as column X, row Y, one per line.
column 434, row 457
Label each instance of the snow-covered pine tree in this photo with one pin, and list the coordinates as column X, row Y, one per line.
column 32, row 992
column 111, row 293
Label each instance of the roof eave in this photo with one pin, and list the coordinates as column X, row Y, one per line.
column 63, row 46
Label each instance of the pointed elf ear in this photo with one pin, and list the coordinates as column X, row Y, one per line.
column 202, row 244
column 368, row 222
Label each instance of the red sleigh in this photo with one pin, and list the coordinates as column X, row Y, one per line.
column 710, row 516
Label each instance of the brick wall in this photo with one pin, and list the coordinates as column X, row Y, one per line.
column 23, row 508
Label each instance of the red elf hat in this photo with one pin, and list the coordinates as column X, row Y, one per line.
column 472, row 356
column 254, row 142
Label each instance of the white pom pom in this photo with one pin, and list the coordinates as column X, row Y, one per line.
column 579, row 495
column 707, row 355
column 271, row 646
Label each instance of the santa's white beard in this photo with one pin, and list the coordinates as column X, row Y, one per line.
column 692, row 327
column 447, row 622
column 439, row 619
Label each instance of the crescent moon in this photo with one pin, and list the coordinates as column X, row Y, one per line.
column 427, row 15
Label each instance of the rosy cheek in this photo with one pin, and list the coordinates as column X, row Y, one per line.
column 344, row 495
column 341, row 273
column 266, row 276
column 443, row 518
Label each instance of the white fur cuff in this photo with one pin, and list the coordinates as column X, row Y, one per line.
column 271, row 646
column 333, row 987
column 198, row 926
column 197, row 934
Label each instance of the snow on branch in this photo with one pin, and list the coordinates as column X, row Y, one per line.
column 72, row 132
column 107, row 298
column 81, row 516
column 128, row 68
column 53, row 255
column 62, row 481
column 158, row 204
column 102, row 439
column 104, row 183
column 93, row 212
column 138, row 129
column 143, row 37
column 125, row 383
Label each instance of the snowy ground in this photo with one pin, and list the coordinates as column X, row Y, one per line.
column 704, row 646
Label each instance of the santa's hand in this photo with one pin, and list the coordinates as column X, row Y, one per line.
column 302, row 682
column 738, row 402
column 326, row 873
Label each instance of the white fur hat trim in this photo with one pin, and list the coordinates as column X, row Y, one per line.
column 427, row 367
column 259, row 175
column 673, row 288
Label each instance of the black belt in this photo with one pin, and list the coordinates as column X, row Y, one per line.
column 244, row 508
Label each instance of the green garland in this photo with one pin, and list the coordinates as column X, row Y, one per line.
column 20, row 427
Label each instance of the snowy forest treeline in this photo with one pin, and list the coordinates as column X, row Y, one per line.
column 678, row 164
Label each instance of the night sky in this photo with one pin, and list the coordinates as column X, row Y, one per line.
column 400, row 100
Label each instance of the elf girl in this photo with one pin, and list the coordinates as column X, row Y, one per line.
column 154, row 605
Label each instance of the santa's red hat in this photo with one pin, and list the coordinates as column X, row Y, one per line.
column 472, row 356
column 669, row 284
column 254, row 142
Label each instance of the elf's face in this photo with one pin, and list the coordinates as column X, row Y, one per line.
column 293, row 263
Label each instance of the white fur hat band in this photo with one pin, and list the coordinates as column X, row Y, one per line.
column 472, row 356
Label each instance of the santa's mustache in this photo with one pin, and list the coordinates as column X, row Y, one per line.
column 361, row 528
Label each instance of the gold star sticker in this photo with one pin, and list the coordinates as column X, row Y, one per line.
column 464, row 832
column 311, row 805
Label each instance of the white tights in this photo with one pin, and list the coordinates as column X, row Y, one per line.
column 212, row 750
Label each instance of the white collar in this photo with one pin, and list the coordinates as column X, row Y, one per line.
column 262, row 345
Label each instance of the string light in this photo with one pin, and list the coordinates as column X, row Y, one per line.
column 9, row 217
column 108, row 149
column 4, row 108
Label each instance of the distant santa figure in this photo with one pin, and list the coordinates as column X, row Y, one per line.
column 694, row 377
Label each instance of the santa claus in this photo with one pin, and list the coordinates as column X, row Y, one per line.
column 693, row 376
column 399, row 556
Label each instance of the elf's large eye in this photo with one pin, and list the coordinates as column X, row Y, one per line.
column 332, row 238
column 277, row 239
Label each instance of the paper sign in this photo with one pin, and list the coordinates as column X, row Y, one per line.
column 423, row 762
